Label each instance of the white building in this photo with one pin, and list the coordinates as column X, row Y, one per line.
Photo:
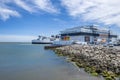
column 89, row 34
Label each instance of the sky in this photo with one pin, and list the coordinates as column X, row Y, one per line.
column 24, row 20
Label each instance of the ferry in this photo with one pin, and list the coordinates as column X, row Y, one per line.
column 45, row 40
column 42, row 40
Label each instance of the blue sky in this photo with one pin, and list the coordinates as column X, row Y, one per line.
column 24, row 20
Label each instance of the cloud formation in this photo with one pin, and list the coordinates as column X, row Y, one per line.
column 45, row 5
column 24, row 5
column 5, row 13
column 31, row 6
column 101, row 11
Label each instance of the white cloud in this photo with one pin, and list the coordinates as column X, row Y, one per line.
column 101, row 11
column 24, row 5
column 45, row 5
column 16, row 38
column 6, row 11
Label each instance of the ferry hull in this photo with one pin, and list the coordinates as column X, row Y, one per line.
column 41, row 42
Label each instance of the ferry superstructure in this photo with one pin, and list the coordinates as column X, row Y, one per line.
column 42, row 40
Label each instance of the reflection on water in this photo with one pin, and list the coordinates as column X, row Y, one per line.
column 24, row 61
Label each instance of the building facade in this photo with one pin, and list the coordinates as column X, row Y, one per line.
column 89, row 34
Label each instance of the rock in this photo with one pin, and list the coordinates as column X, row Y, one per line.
column 95, row 59
column 79, row 65
column 109, row 78
column 94, row 74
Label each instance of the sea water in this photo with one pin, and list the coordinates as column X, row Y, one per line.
column 26, row 61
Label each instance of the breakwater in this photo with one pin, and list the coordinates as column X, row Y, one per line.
column 97, row 60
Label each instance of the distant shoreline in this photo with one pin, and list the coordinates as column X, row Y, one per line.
column 15, row 42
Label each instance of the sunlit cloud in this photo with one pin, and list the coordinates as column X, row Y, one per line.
column 100, row 11
column 24, row 5
column 5, row 13
column 32, row 6
column 45, row 5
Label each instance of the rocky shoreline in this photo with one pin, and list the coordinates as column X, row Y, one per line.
column 97, row 60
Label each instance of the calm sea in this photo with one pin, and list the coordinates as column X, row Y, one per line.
column 25, row 61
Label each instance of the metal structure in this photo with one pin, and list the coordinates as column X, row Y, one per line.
column 89, row 33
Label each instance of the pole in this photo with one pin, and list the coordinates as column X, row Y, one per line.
column 109, row 35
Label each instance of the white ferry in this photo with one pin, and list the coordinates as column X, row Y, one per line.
column 45, row 40
column 42, row 40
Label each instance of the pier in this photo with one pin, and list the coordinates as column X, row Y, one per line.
column 52, row 46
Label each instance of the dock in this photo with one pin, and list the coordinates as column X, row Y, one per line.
column 52, row 46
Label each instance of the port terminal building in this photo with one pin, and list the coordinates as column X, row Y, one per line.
column 89, row 34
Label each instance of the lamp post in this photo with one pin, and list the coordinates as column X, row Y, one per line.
column 109, row 35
